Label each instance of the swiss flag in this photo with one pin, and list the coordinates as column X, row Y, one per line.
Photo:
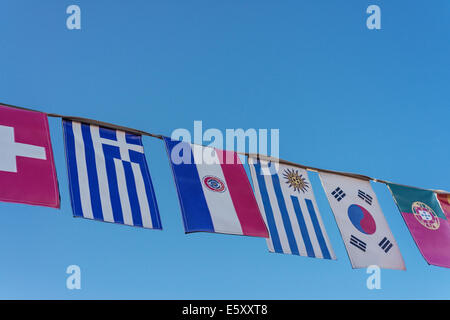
column 27, row 169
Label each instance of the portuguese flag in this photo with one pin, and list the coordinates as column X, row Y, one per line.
column 426, row 221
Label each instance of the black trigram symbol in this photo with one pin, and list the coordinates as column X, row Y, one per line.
column 385, row 244
column 338, row 193
column 365, row 197
column 358, row 243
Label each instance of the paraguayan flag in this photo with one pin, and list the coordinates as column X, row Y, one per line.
column 286, row 201
column 108, row 176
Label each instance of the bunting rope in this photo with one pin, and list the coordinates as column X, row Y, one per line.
column 341, row 173
column 252, row 155
column 89, row 121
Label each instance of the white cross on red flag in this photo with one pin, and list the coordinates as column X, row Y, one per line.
column 27, row 168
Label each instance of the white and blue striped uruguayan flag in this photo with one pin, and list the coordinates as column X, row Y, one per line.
column 108, row 176
column 286, row 201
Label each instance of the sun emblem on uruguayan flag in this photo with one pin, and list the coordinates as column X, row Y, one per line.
column 425, row 215
column 295, row 180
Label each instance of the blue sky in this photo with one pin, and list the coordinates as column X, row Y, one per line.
column 344, row 98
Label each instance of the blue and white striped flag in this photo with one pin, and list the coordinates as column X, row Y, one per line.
column 108, row 176
column 286, row 201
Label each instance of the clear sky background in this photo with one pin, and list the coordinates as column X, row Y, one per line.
column 344, row 98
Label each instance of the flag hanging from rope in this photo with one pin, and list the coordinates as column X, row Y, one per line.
column 287, row 203
column 444, row 200
column 27, row 168
column 426, row 222
column 108, row 176
column 214, row 191
column 363, row 227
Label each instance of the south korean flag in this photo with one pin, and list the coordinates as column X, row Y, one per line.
column 363, row 227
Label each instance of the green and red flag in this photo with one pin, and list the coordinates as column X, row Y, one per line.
column 426, row 221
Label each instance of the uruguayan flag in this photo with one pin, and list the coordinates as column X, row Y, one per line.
column 286, row 201
column 108, row 176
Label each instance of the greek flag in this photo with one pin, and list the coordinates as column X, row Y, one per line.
column 286, row 201
column 108, row 176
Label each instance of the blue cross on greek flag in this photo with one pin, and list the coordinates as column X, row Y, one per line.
column 108, row 176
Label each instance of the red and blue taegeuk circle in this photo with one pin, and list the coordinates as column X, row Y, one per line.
column 361, row 219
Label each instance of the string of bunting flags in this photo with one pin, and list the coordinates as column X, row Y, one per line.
column 109, row 180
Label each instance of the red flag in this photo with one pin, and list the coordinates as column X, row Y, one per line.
column 27, row 168
column 444, row 199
